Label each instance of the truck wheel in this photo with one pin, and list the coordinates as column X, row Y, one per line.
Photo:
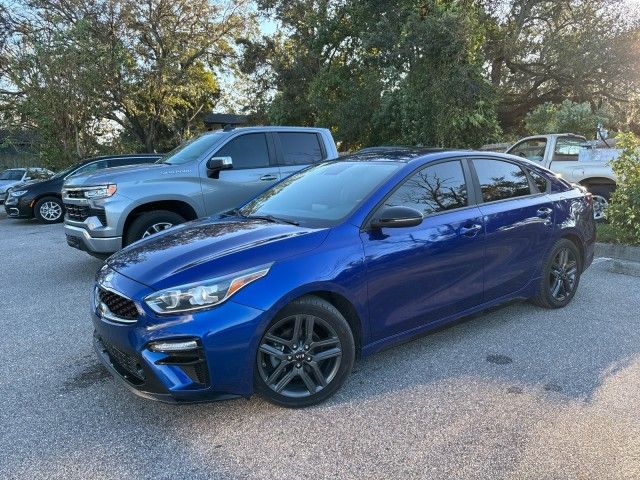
column 49, row 210
column 601, row 195
column 149, row 223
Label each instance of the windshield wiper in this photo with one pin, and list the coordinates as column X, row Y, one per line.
column 272, row 219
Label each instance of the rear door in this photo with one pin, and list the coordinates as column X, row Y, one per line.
column 418, row 275
column 254, row 170
column 297, row 150
column 518, row 224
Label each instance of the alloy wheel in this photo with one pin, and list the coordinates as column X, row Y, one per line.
column 50, row 211
column 599, row 205
column 299, row 356
column 156, row 227
column 563, row 274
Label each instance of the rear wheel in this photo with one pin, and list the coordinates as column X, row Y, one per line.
column 305, row 355
column 49, row 210
column 150, row 223
column 560, row 275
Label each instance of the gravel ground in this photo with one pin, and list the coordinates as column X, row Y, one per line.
column 517, row 392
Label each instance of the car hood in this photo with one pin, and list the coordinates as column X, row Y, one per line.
column 209, row 248
column 4, row 184
column 142, row 171
column 30, row 183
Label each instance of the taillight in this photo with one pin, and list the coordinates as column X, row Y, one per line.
column 589, row 197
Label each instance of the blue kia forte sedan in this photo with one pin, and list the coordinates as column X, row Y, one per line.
column 337, row 261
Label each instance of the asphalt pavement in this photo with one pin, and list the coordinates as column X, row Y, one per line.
column 517, row 392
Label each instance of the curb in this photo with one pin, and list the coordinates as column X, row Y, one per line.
column 618, row 252
column 623, row 259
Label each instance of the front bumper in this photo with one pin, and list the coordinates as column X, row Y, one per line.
column 19, row 207
column 80, row 238
column 222, row 369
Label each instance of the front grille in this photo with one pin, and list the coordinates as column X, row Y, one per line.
column 118, row 305
column 74, row 193
column 81, row 212
column 127, row 365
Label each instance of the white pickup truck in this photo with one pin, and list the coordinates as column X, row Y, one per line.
column 567, row 155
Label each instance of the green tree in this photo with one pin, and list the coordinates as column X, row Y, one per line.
column 623, row 210
column 567, row 116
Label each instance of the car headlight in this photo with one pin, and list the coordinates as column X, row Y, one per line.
column 203, row 295
column 100, row 191
column 18, row 193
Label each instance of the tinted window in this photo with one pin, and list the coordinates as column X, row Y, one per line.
column 567, row 149
column 300, row 148
column 247, row 151
column 539, row 180
column 500, row 180
column 119, row 162
column 530, row 149
column 324, row 194
column 433, row 189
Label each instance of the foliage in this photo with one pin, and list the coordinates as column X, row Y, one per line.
column 607, row 233
column 567, row 116
column 378, row 73
column 623, row 211
column 116, row 74
column 546, row 51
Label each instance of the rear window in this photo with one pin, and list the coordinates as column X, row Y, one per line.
column 501, row 180
column 300, row 148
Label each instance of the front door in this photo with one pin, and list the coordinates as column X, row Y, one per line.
column 254, row 170
column 421, row 274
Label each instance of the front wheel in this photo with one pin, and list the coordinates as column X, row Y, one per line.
column 560, row 275
column 49, row 210
column 150, row 223
column 305, row 355
column 601, row 195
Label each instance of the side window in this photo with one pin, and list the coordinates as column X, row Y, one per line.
column 567, row 149
column 541, row 182
column 530, row 149
column 500, row 180
column 300, row 148
column 247, row 151
column 38, row 174
column 433, row 189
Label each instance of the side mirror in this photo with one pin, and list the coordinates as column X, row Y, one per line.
column 216, row 164
column 396, row 217
column 26, row 179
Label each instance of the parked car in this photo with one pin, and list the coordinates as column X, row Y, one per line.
column 43, row 199
column 211, row 173
column 560, row 153
column 15, row 176
column 342, row 259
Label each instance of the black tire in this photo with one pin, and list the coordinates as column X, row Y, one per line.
column 561, row 279
column 49, row 210
column 302, row 364
column 146, row 222
column 601, row 196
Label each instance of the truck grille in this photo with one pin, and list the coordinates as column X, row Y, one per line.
column 118, row 305
column 81, row 212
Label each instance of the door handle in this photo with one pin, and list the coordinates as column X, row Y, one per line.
column 470, row 231
column 544, row 212
column 269, row 177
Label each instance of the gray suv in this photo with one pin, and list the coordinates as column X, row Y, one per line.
column 212, row 173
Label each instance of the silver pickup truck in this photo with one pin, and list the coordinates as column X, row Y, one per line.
column 212, row 173
column 567, row 155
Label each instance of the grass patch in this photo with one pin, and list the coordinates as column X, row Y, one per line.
column 607, row 233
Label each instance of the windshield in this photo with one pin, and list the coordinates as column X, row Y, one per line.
column 12, row 174
column 62, row 173
column 191, row 150
column 322, row 195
